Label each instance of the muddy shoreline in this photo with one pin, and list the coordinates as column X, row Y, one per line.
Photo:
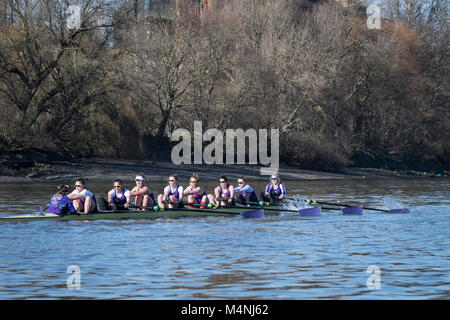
column 107, row 170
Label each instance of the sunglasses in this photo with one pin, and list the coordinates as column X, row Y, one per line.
column 222, row 181
column 240, row 182
column 274, row 178
column 171, row 180
column 78, row 186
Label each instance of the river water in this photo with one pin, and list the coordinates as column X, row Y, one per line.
column 373, row 256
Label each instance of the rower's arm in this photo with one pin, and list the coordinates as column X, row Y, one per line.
column 73, row 196
column 283, row 189
column 110, row 196
column 247, row 188
column 217, row 192
column 134, row 192
column 180, row 193
column 231, row 192
column 71, row 207
column 141, row 192
column 268, row 188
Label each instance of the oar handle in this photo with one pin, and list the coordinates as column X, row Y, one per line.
column 260, row 203
column 154, row 208
column 266, row 206
column 206, row 205
column 342, row 205
column 375, row 209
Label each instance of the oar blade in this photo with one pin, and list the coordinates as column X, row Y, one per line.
column 402, row 210
column 310, row 212
column 355, row 210
column 254, row 214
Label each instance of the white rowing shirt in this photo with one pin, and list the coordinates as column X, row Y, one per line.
column 118, row 195
column 169, row 190
column 85, row 193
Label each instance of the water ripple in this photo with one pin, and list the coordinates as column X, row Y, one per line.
column 282, row 257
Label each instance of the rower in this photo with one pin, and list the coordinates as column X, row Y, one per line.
column 60, row 203
column 245, row 193
column 144, row 196
column 223, row 194
column 196, row 194
column 119, row 197
column 83, row 200
column 173, row 194
column 275, row 191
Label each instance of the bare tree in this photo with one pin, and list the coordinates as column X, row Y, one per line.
column 37, row 50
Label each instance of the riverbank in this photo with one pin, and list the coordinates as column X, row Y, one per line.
column 107, row 170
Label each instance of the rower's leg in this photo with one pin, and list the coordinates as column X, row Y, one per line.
column 172, row 201
column 145, row 201
column 89, row 205
column 151, row 200
column 110, row 198
column 191, row 199
column 274, row 197
column 266, row 197
column 238, row 198
column 212, row 200
column 203, row 201
column 78, row 205
column 138, row 202
column 251, row 198
column 160, row 200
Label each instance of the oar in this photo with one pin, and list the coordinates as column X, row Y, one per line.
column 349, row 210
column 307, row 212
column 401, row 210
column 254, row 214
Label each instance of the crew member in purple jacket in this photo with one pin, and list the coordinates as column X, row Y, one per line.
column 244, row 193
column 60, row 203
column 173, row 194
column 119, row 197
column 275, row 191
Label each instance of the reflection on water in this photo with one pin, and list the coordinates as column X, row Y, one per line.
column 281, row 257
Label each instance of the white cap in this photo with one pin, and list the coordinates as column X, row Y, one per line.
column 139, row 178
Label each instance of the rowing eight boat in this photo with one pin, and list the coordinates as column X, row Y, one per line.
column 246, row 212
column 135, row 214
